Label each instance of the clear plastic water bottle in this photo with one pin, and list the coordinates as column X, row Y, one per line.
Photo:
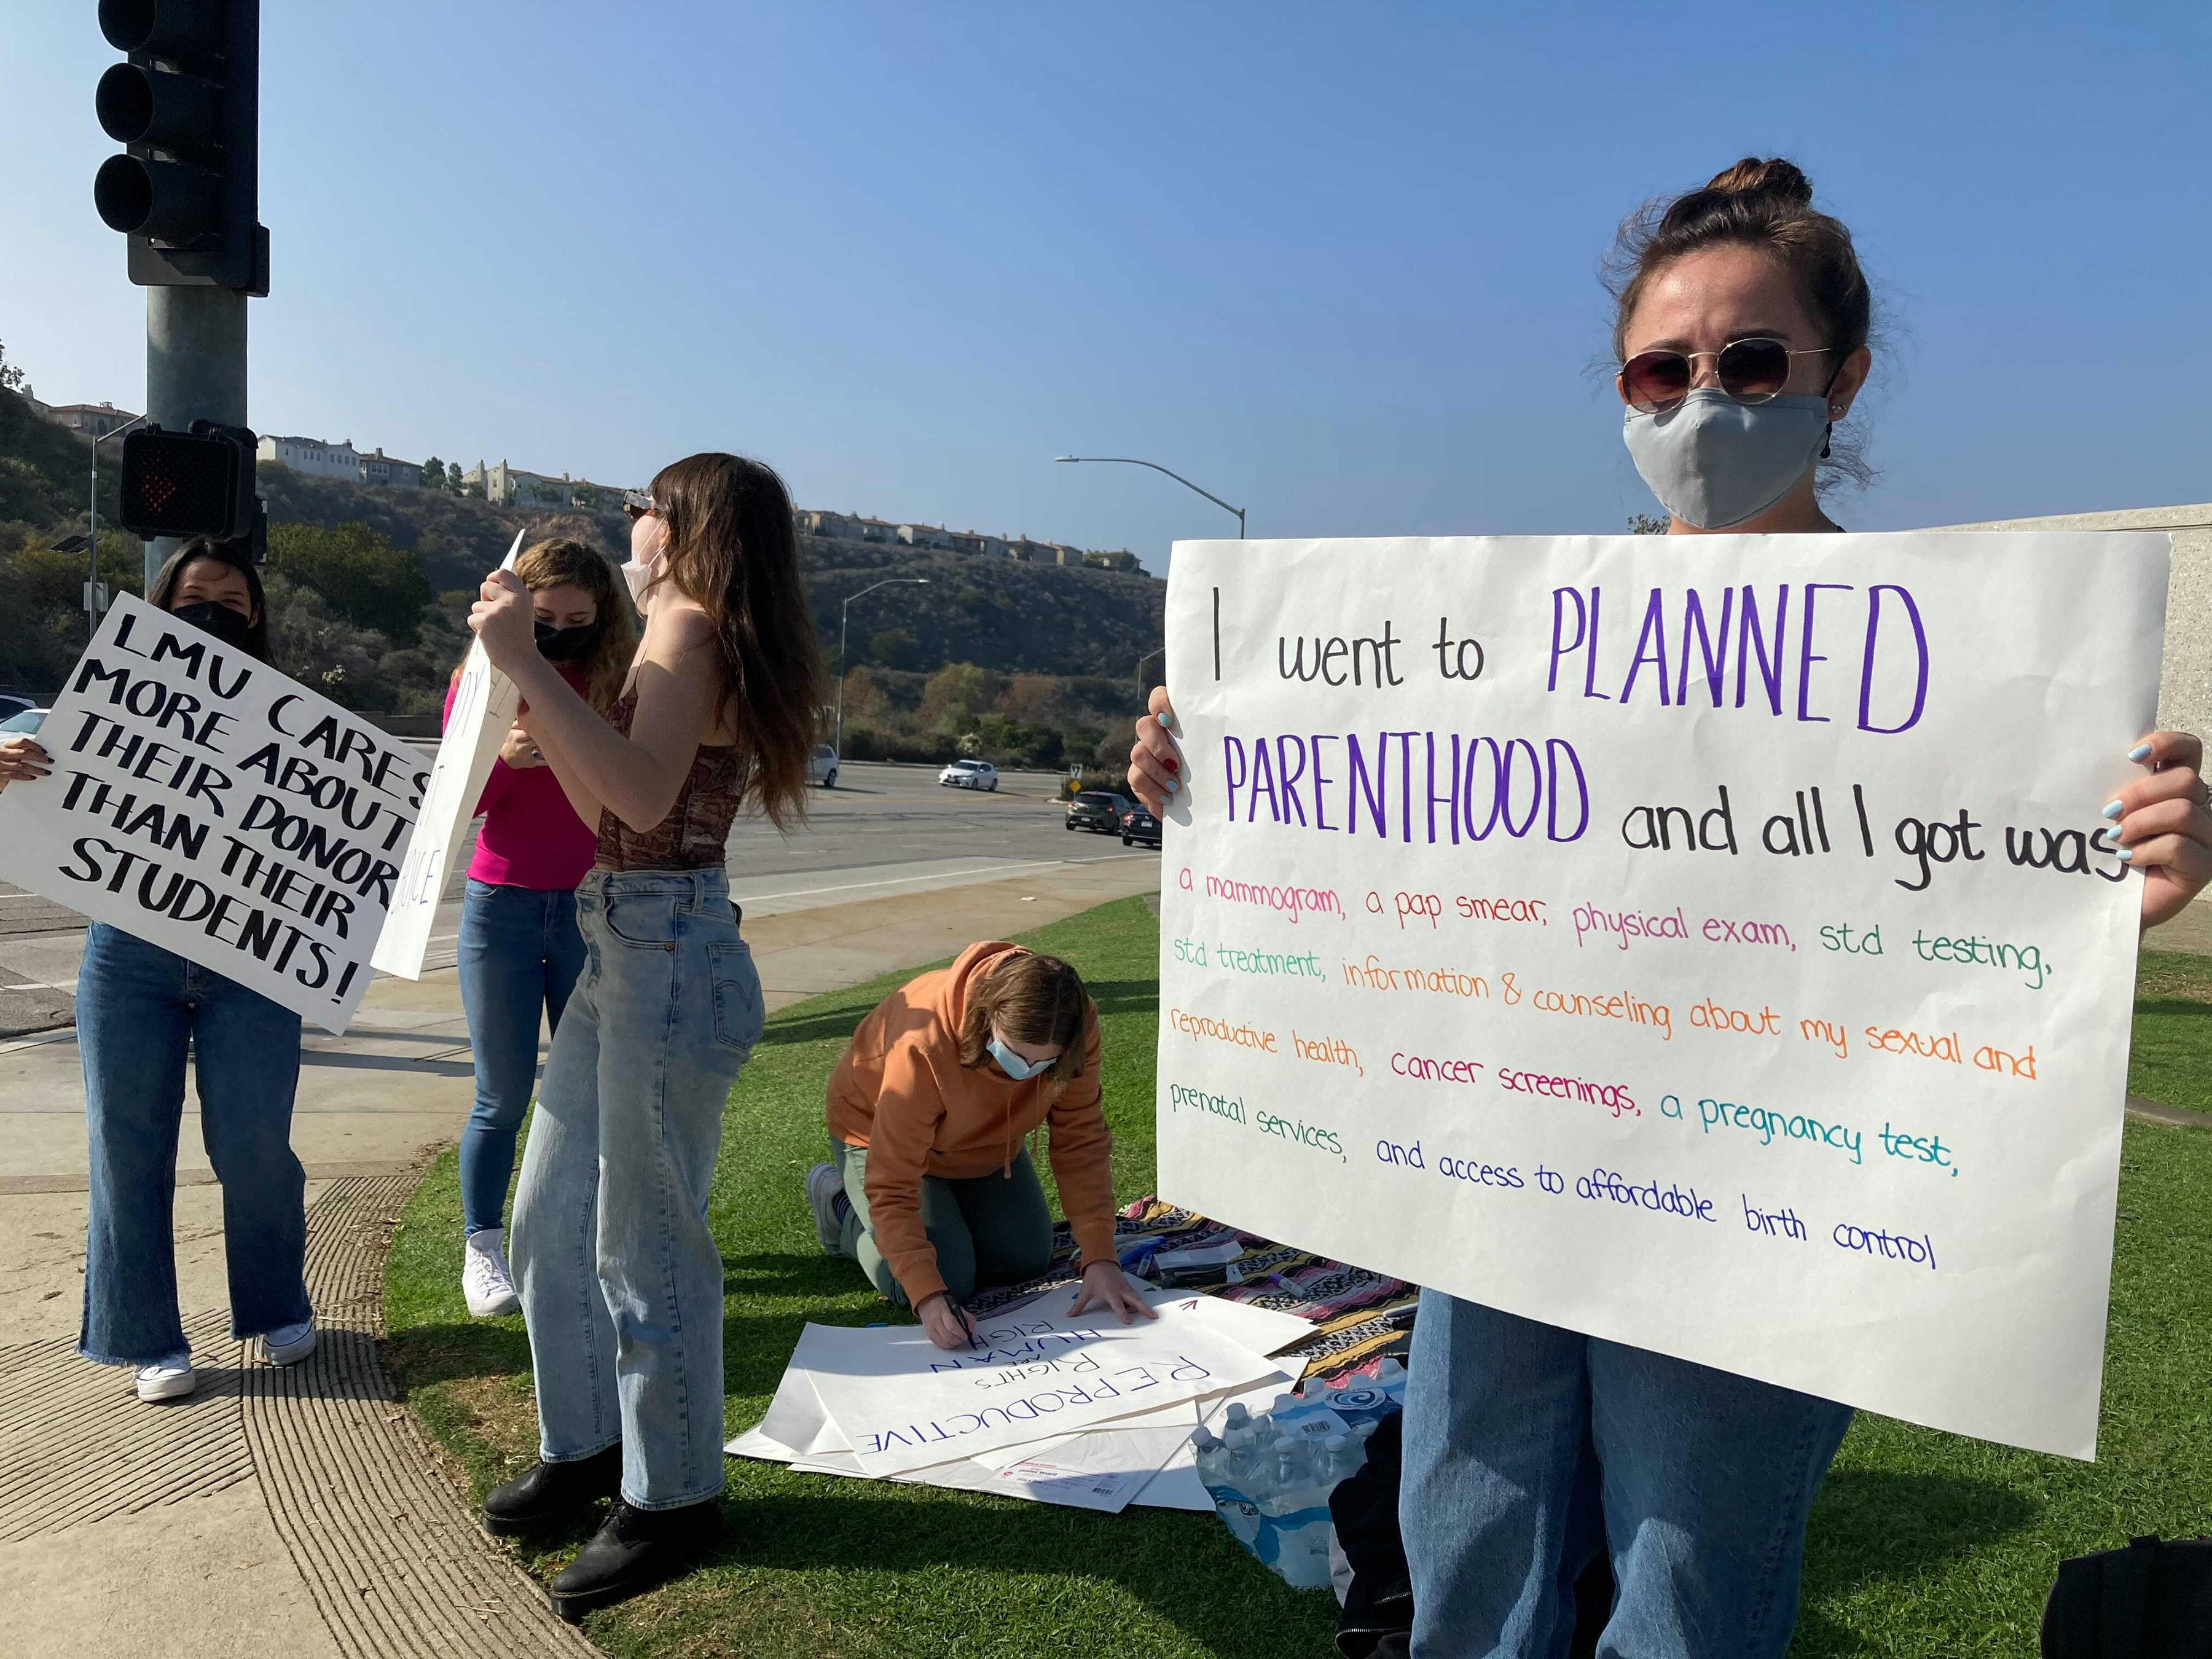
column 1338, row 1460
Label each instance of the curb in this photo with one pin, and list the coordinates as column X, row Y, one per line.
column 394, row 1566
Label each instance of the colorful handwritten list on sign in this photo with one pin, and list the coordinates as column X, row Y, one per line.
column 207, row 804
column 1711, row 945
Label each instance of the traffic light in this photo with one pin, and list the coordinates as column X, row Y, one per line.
column 187, row 104
column 195, row 483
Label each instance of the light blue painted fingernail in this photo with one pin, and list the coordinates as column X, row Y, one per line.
column 2125, row 854
column 2112, row 809
column 1167, row 723
column 2141, row 751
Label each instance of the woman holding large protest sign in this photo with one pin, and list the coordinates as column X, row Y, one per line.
column 1742, row 332
column 519, row 951
column 620, row 1278
column 932, row 1192
column 140, row 1009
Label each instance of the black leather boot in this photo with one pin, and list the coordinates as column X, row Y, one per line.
column 634, row 1550
column 552, row 1496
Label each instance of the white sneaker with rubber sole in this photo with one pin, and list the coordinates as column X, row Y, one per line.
column 288, row 1344
column 486, row 1284
column 169, row 1378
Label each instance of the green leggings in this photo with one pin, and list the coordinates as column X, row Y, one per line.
column 989, row 1230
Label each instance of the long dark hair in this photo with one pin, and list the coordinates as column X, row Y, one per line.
column 1767, row 205
column 731, row 547
column 239, row 557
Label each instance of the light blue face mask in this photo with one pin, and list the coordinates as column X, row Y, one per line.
column 1013, row 1064
column 1714, row 462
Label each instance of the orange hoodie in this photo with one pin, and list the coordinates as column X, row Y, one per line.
column 900, row 1091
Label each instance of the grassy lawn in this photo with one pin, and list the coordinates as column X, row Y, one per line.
column 1922, row 1543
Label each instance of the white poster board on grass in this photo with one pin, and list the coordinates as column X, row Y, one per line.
column 1708, row 945
column 484, row 704
column 207, row 804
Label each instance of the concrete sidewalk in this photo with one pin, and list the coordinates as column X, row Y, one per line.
column 297, row 1511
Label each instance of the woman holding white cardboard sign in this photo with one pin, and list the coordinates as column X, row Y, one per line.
column 1741, row 333
column 140, row 1009
column 519, row 951
column 620, row 1278
column 932, row 1192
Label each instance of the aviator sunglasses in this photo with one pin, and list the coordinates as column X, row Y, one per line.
column 1751, row 371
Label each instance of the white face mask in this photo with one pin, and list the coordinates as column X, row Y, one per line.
column 1013, row 1064
column 639, row 578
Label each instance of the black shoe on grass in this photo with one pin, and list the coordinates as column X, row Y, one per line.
column 633, row 1550
column 552, row 1496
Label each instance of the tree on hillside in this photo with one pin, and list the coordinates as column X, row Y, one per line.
column 1646, row 524
column 863, row 698
column 1032, row 700
column 957, row 693
column 434, row 474
column 366, row 581
column 894, row 648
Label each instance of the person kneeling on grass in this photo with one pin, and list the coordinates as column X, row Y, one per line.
column 932, row 1192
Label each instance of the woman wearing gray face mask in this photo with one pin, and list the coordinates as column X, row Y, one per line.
column 1531, row 1451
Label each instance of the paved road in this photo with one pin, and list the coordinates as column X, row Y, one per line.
column 883, row 832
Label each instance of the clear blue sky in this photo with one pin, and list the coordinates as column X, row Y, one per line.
column 1333, row 262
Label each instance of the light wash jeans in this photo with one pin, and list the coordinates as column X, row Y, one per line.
column 519, row 954
column 620, row 1280
column 1530, row 1448
column 138, row 1007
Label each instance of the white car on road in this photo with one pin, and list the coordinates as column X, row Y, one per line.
column 969, row 775
column 822, row 766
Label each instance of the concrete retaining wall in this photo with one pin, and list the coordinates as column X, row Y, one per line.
column 2185, row 686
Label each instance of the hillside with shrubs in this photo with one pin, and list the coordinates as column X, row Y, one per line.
column 369, row 588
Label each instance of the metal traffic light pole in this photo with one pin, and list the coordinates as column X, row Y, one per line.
column 195, row 369
column 187, row 104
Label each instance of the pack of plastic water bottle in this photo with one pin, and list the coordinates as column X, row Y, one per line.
column 1271, row 1474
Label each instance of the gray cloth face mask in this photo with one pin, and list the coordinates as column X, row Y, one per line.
column 1714, row 462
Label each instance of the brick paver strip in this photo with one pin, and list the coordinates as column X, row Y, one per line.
column 392, row 1561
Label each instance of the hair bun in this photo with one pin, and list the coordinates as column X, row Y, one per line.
column 1771, row 178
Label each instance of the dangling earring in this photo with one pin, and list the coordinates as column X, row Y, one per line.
column 1825, row 440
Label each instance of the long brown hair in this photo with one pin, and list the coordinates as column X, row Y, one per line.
column 235, row 553
column 1036, row 1000
column 732, row 548
column 1767, row 205
column 562, row 563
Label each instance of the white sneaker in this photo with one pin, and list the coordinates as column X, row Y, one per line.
column 824, row 1187
column 288, row 1344
column 167, row 1378
column 485, row 1282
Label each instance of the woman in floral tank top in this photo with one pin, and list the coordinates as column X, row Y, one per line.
column 620, row 1278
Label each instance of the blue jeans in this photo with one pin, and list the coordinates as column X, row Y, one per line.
column 1529, row 1449
column 520, row 952
column 138, row 1007
column 620, row 1277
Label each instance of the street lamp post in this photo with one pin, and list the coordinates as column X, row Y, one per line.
column 844, row 614
column 92, row 590
column 1126, row 460
column 1141, row 661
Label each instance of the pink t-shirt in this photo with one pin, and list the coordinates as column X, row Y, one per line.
column 531, row 837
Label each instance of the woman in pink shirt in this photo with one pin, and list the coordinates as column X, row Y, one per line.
column 519, row 950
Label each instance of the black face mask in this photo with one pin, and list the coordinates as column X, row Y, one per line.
column 567, row 644
column 219, row 620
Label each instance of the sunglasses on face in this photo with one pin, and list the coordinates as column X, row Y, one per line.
column 637, row 503
column 1750, row 371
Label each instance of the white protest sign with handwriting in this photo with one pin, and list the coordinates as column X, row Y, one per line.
column 484, row 703
column 1708, row 944
column 903, row 1403
column 207, row 804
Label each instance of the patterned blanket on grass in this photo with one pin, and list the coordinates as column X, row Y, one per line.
column 1358, row 1316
